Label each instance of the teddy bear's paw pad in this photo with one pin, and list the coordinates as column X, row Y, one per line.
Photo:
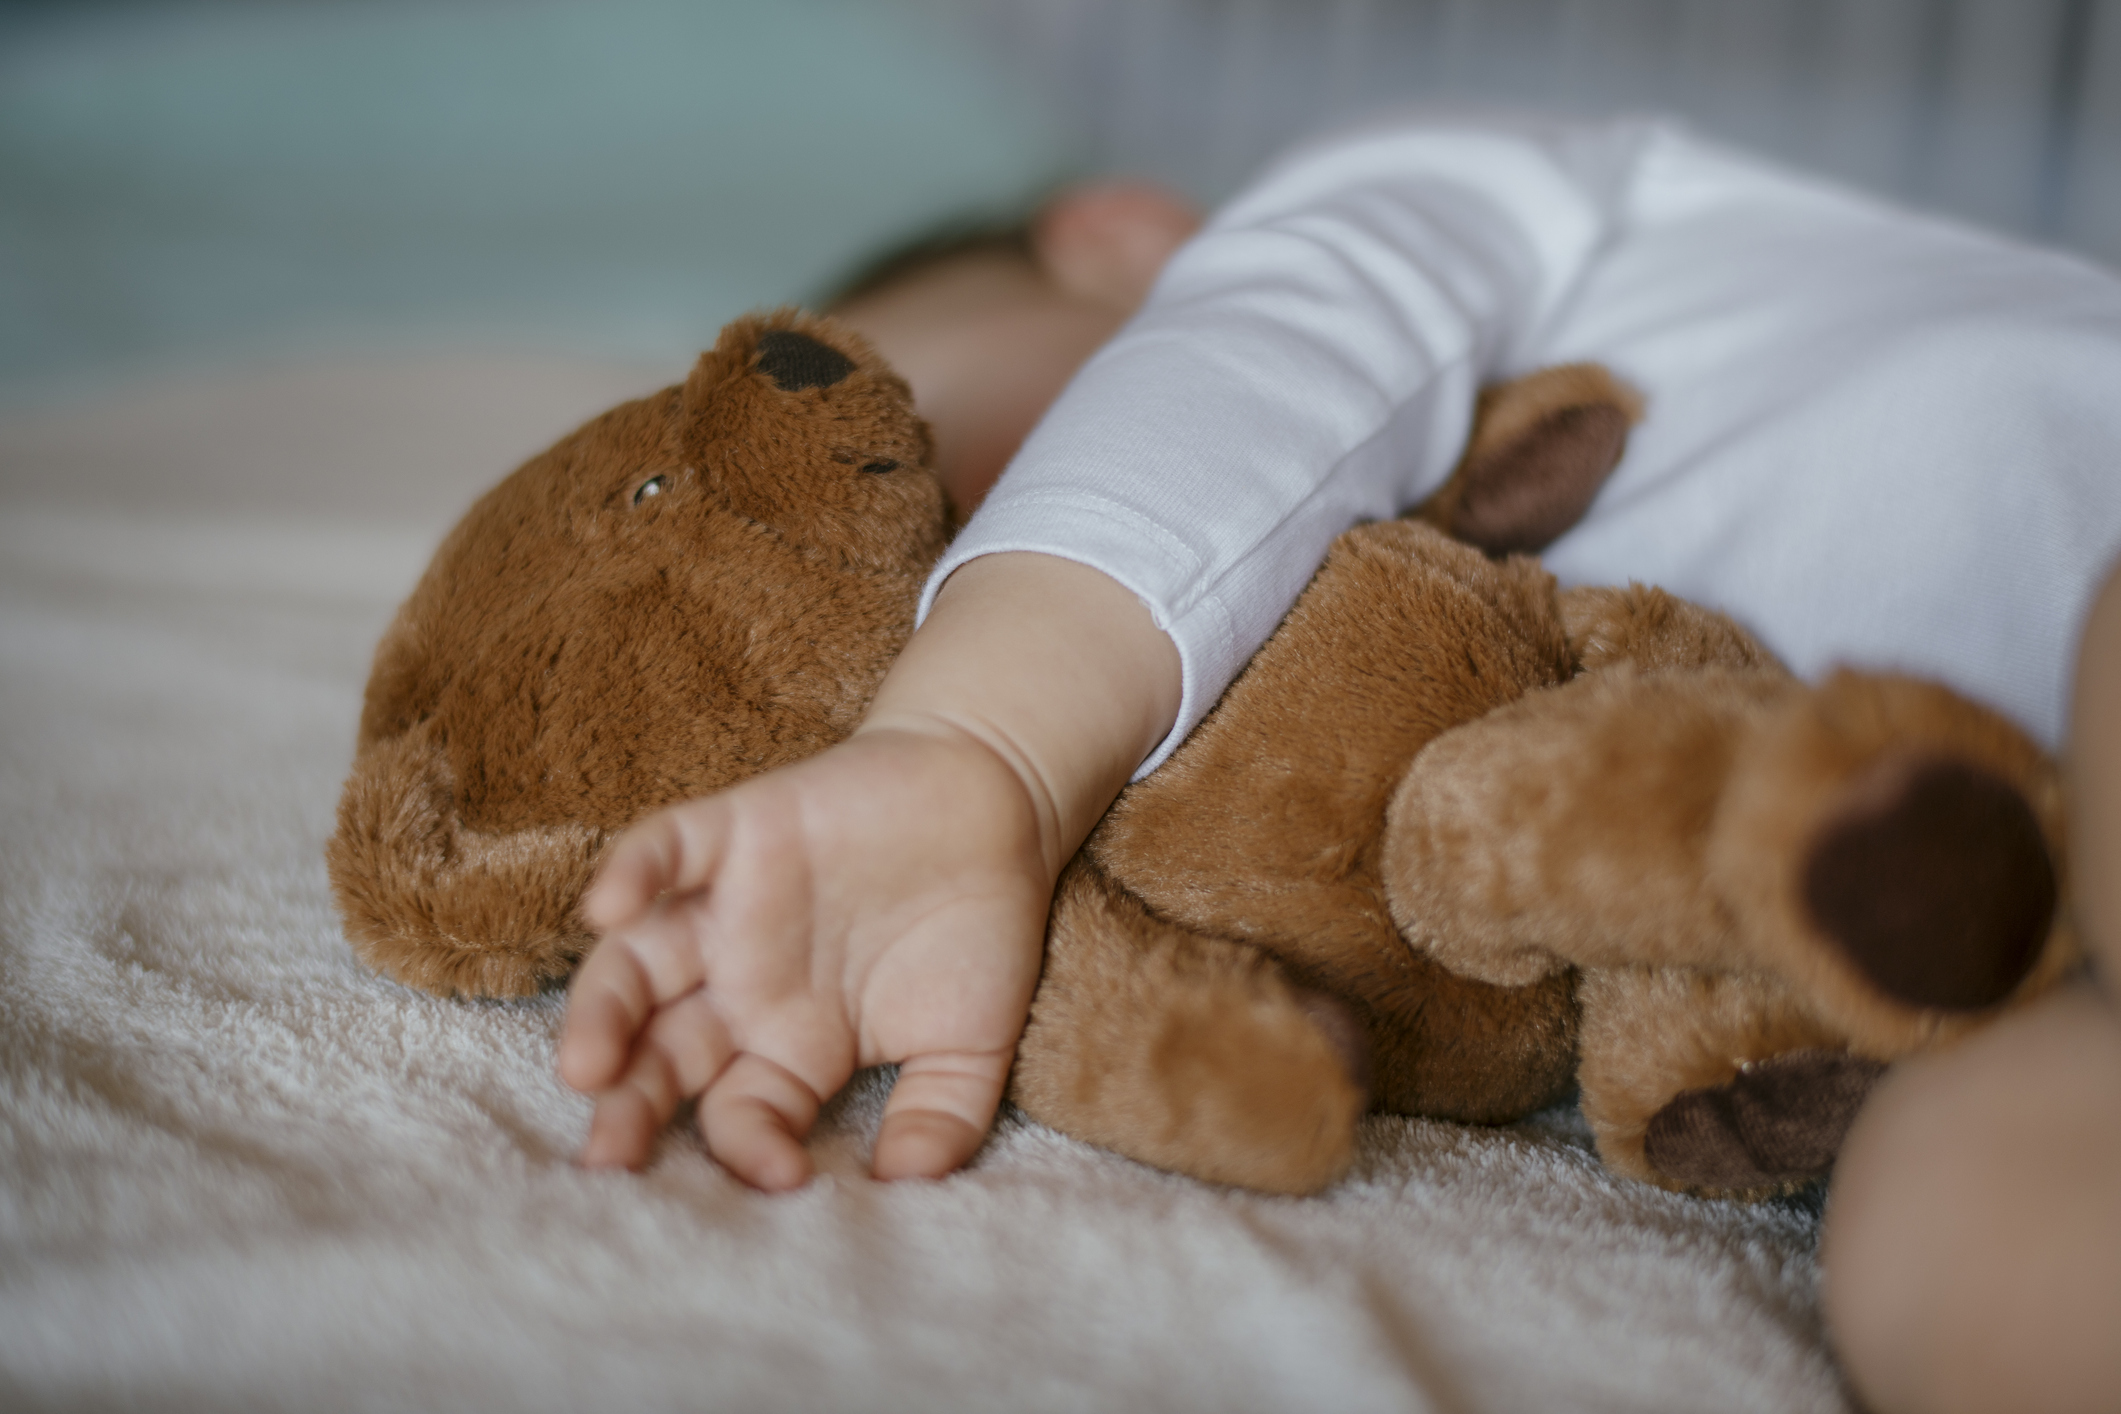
column 1935, row 880
column 1521, row 497
column 1777, row 1122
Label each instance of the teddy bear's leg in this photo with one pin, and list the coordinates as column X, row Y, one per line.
column 1541, row 447
column 1894, row 850
column 1191, row 1053
column 1569, row 827
column 1714, row 1082
column 1882, row 844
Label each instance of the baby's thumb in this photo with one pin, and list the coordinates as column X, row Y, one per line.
column 939, row 1112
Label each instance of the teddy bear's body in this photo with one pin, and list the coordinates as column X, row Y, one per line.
column 1452, row 839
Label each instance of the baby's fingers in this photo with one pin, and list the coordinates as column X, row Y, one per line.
column 939, row 1112
column 617, row 990
column 686, row 1047
column 672, row 851
column 755, row 1119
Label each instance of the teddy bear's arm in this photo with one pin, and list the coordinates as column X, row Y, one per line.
column 1185, row 1051
column 1264, row 827
column 1652, row 631
column 1541, row 447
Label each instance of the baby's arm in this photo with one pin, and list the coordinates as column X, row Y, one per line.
column 884, row 901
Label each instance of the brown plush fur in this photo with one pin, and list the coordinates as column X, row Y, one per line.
column 1183, row 1050
column 1653, row 822
column 580, row 653
column 1653, row 1033
column 1444, row 809
column 1267, row 825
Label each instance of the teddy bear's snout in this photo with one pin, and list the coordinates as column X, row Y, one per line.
column 796, row 361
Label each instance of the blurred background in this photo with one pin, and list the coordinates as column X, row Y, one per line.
column 216, row 181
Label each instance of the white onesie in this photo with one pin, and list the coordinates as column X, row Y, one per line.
column 1872, row 437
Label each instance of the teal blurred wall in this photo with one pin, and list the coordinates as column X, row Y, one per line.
column 211, row 179
column 233, row 180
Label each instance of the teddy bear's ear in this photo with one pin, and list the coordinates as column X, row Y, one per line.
column 794, row 421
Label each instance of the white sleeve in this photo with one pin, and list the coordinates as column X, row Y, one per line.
column 1309, row 361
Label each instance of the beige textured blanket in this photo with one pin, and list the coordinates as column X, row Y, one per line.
column 237, row 1171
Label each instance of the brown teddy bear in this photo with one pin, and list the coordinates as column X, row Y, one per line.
column 1452, row 841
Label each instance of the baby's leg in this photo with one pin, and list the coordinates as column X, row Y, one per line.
column 1973, row 1244
column 1973, row 1238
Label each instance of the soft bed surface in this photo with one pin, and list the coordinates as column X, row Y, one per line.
column 242, row 1172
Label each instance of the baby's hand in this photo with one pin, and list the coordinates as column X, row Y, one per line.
column 882, row 901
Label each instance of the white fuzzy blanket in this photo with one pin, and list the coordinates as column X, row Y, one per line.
column 237, row 1171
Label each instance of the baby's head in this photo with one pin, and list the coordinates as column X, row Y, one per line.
column 987, row 330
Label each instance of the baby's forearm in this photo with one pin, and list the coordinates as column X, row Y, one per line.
column 2095, row 783
column 1055, row 667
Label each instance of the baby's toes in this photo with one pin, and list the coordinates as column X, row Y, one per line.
column 1777, row 1123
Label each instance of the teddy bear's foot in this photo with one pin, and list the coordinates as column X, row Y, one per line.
column 1190, row 1053
column 1542, row 446
column 1777, row 1123
column 1892, row 849
column 1712, row 1081
column 1935, row 879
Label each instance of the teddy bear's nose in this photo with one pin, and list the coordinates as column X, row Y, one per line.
column 796, row 361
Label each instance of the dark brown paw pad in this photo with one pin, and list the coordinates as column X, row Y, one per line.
column 1523, row 496
column 1936, row 881
column 1780, row 1121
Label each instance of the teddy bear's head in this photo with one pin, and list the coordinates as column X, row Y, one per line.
column 688, row 590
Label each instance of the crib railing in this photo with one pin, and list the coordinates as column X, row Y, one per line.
column 2005, row 111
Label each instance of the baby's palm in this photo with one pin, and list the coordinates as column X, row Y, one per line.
column 883, row 901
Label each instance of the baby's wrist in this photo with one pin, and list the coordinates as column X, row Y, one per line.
column 993, row 786
column 1055, row 668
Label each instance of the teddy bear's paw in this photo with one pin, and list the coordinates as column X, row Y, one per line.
column 1192, row 1053
column 431, row 902
column 1935, row 880
column 1652, row 631
column 1543, row 446
column 1777, row 1123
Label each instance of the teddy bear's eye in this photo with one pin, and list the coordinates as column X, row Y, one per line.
column 653, row 486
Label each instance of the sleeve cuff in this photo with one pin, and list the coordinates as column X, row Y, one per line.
column 1151, row 563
